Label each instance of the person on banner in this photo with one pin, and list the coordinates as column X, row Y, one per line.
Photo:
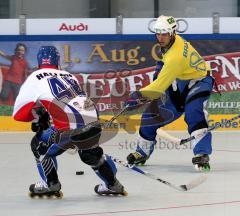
column 184, row 78
column 1, row 79
column 17, row 72
column 55, row 103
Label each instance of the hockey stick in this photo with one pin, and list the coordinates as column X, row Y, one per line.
column 194, row 183
column 108, row 123
column 81, row 138
column 179, row 141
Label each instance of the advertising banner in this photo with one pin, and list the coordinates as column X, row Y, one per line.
column 109, row 70
column 96, row 26
column 71, row 26
column 9, row 26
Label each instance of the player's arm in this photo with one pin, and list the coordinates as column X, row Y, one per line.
column 168, row 74
column 3, row 54
column 25, row 101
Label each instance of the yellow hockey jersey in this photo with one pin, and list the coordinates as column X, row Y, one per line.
column 181, row 62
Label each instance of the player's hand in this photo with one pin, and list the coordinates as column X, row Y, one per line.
column 135, row 100
column 42, row 119
column 2, row 53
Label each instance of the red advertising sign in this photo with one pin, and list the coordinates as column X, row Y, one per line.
column 225, row 69
column 110, row 90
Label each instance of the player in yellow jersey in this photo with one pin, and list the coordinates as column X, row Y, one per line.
column 184, row 78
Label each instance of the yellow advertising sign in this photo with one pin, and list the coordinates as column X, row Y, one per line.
column 131, row 123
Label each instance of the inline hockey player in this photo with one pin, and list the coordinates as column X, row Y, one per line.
column 53, row 100
column 184, row 77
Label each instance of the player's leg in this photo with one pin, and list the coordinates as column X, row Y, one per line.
column 15, row 88
column 6, row 89
column 155, row 116
column 47, row 166
column 196, row 118
column 105, row 168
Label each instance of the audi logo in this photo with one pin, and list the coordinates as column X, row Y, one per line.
column 182, row 25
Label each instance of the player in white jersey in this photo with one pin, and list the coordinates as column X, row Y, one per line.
column 53, row 100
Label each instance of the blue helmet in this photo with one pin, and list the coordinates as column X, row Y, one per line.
column 48, row 56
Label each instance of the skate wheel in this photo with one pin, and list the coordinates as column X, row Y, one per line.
column 141, row 163
column 30, row 195
column 201, row 168
column 34, row 196
column 57, row 195
column 125, row 193
column 60, row 195
column 197, row 168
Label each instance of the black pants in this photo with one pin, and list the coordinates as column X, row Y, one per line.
column 9, row 86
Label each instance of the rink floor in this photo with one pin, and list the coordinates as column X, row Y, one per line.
column 218, row 196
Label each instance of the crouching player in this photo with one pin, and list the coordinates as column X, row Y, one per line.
column 53, row 100
column 184, row 78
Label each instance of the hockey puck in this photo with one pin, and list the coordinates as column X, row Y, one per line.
column 79, row 172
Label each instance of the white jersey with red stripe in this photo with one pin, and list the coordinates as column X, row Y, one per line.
column 59, row 92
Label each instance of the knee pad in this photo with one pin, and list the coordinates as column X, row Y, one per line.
column 48, row 135
column 94, row 131
column 92, row 157
column 80, row 138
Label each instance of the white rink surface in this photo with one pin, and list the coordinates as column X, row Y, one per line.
column 218, row 196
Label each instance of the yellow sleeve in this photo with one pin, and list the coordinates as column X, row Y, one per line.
column 166, row 77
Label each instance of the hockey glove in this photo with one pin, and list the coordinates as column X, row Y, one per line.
column 43, row 122
column 48, row 136
column 135, row 100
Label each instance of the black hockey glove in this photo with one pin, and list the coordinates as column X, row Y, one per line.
column 44, row 120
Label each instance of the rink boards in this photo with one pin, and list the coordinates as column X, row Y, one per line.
column 130, row 123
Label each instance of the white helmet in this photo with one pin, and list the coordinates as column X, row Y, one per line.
column 165, row 24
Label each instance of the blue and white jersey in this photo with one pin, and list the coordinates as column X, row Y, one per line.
column 61, row 95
